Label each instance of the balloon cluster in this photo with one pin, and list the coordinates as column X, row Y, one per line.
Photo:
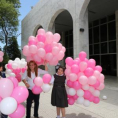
column 1, row 56
column 11, row 97
column 44, row 47
column 16, row 68
column 84, row 80
column 41, row 84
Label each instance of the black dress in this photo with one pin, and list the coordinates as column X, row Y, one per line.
column 59, row 95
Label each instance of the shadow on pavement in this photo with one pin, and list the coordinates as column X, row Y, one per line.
column 81, row 115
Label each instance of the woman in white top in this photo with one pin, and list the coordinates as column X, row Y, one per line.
column 28, row 77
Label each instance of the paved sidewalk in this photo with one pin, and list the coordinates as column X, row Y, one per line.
column 105, row 109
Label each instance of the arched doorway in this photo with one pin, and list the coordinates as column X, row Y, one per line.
column 102, row 34
column 62, row 23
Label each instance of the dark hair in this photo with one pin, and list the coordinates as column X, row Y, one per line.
column 1, row 65
column 61, row 68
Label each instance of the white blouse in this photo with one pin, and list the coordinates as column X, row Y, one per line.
column 30, row 80
column 52, row 79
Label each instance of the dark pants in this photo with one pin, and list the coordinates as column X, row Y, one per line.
column 30, row 98
column 3, row 116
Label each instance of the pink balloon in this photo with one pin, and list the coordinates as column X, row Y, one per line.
column 69, row 83
column 82, row 55
column 82, row 66
column 73, row 77
column 55, row 44
column 69, row 96
column 75, row 68
column 49, row 37
column 99, row 68
column 19, row 112
column 24, row 69
column 97, row 84
column 36, row 58
column 38, row 81
column 41, row 52
column 14, row 80
column 33, row 49
column 18, row 76
column 48, row 48
column 6, row 87
column 1, row 53
column 29, row 58
column 41, row 38
column 76, row 61
column 41, row 31
column 26, row 50
column 83, row 80
column 96, row 74
column 56, row 37
column 87, row 94
column 71, row 101
column 20, row 93
column 9, row 66
column 63, row 49
column 101, row 86
column 31, row 37
column 86, row 60
column 49, row 56
column 96, row 100
column 40, row 45
column 92, row 80
column 67, row 72
column 68, row 67
column 0, row 99
column 91, row 63
column 76, row 85
column 75, row 97
column 88, row 72
column 60, row 46
column 101, row 78
column 32, row 42
column 69, row 61
column 37, row 90
column 80, row 74
column 1, row 59
column 46, row 78
column 60, row 55
column 55, row 50
column 91, row 98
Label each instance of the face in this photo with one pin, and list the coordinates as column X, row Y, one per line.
column 32, row 66
column 1, row 69
column 60, row 71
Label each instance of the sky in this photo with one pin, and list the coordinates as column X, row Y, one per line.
column 24, row 10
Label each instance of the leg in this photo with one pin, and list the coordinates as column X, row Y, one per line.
column 3, row 116
column 58, row 111
column 63, row 112
column 36, row 105
column 29, row 102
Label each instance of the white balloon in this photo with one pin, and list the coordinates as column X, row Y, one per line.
column 17, row 59
column 6, row 66
column 12, row 74
column 23, row 60
column 104, row 97
column 14, row 66
column 8, row 105
column 96, row 93
column 10, row 61
column 46, row 87
column 91, row 89
column 71, row 91
column 86, row 103
column 8, row 71
column 80, row 100
column 80, row 92
column 85, row 87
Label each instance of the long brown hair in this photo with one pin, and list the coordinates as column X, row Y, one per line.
column 35, row 69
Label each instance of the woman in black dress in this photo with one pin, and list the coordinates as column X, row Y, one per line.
column 59, row 95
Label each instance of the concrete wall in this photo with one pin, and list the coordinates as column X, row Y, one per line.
column 44, row 14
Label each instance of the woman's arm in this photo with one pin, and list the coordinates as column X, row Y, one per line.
column 46, row 68
column 26, row 84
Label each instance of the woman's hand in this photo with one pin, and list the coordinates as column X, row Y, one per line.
column 45, row 63
column 27, row 85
